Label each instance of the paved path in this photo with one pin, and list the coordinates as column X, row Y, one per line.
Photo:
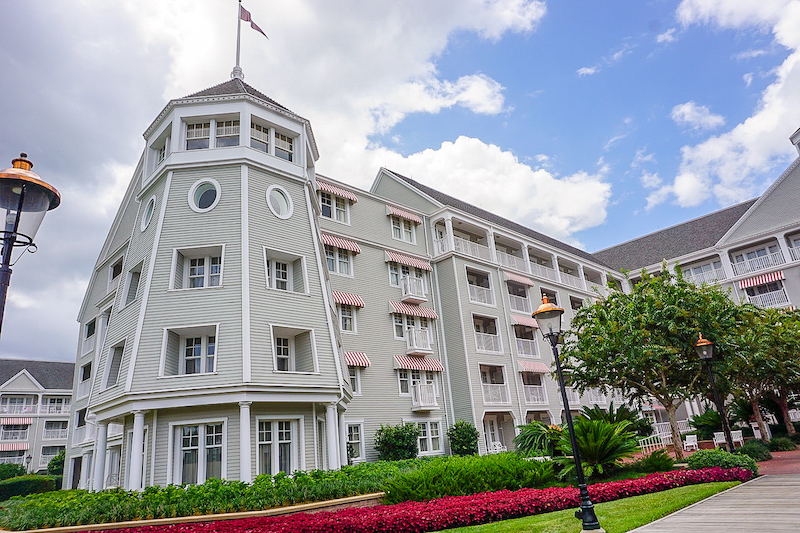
column 781, row 463
column 768, row 504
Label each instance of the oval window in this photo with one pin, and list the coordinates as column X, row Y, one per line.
column 149, row 209
column 204, row 195
column 279, row 202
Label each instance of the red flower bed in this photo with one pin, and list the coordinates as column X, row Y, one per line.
column 454, row 511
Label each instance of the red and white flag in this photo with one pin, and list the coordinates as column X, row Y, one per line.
column 245, row 16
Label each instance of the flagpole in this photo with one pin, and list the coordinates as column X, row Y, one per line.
column 237, row 70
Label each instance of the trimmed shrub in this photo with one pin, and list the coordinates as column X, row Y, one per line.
column 602, row 446
column 56, row 465
column 537, row 439
column 796, row 437
column 397, row 442
column 706, row 424
column 757, row 449
column 9, row 470
column 658, row 461
column 463, row 438
column 782, row 444
column 719, row 457
column 24, row 485
column 462, row 476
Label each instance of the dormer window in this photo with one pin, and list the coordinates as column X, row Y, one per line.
column 284, row 146
column 198, row 135
column 227, row 133
column 259, row 137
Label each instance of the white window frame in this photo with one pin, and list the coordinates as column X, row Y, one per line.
column 271, row 256
column 195, row 124
column 195, row 252
column 204, row 359
column 289, row 357
column 403, row 229
column 193, row 189
column 112, row 352
column 362, row 456
column 291, row 332
column 354, row 373
column 282, row 140
column 148, row 213
column 89, row 340
column 133, row 274
column 184, row 332
column 338, row 255
column 119, row 261
column 174, row 456
column 235, row 131
column 428, row 436
column 45, row 429
column 353, row 323
column 298, row 459
column 286, row 196
column 262, row 129
column 336, row 206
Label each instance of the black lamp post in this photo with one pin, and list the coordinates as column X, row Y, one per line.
column 705, row 350
column 24, row 200
column 548, row 318
column 28, row 460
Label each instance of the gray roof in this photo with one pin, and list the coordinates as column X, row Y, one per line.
column 495, row 219
column 235, row 86
column 676, row 241
column 49, row 374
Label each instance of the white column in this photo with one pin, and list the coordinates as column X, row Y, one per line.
column 582, row 275
column 331, row 427
column 100, row 445
column 492, row 249
column 342, row 440
column 86, row 468
column 448, row 229
column 527, row 258
column 100, row 338
column 137, row 452
column 245, row 449
column 555, row 267
column 727, row 266
column 787, row 255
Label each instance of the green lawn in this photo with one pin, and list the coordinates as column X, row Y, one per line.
column 615, row 517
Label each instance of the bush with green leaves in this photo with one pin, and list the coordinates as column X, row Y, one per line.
column 395, row 443
column 796, row 437
column 461, row 476
column 755, row 448
column 641, row 426
column 658, row 461
column 782, row 444
column 56, row 465
column 9, row 470
column 463, row 437
column 24, row 485
column 538, row 439
column 719, row 457
column 602, row 447
column 706, row 424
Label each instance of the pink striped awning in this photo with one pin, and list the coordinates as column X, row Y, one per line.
column 413, row 310
column 338, row 191
column 13, row 446
column 652, row 407
column 339, row 242
column 13, row 421
column 408, row 260
column 406, row 362
column 356, row 359
column 510, row 276
column 525, row 321
column 390, row 210
column 533, row 366
column 762, row 279
column 346, row 298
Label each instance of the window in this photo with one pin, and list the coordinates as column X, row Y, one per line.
column 333, row 207
column 479, row 287
column 204, row 195
column 48, row 452
column 88, row 335
column 196, row 268
column 294, row 349
column 55, row 405
column 401, row 323
column 283, row 354
column 408, row 378
column 754, row 254
column 17, row 405
column 551, row 296
column 278, row 446
column 397, row 272
column 199, row 354
column 285, row 272
column 486, row 337
column 197, row 135
column 355, row 379
column 85, row 383
column 200, row 452
column 227, row 133
column 403, row 229
column 14, row 432
column 355, row 441
column 284, row 146
column 347, row 318
column 114, row 272
column 189, row 350
column 279, row 202
column 338, row 260
column 134, row 276
column 772, row 286
column 259, row 137
column 114, row 363
column 55, row 429
column 404, row 381
column 147, row 214
column 429, row 440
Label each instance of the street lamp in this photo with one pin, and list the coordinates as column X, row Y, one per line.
column 705, row 351
column 24, row 200
column 548, row 318
column 28, row 460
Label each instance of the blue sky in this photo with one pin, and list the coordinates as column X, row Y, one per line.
column 593, row 122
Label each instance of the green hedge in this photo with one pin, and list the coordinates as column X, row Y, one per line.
column 781, row 444
column 9, row 470
column 719, row 457
column 756, row 449
column 24, row 485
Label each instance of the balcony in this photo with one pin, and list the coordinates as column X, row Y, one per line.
column 595, row 287
column 473, row 249
column 115, row 429
column 44, row 460
column 795, row 253
column 520, row 303
column 543, row 271
column 413, row 290
column 527, row 347
column 17, row 409
column 54, row 409
column 13, row 460
column 511, row 261
column 486, row 342
column 14, row 434
column 55, row 433
column 711, row 276
column 596, row 397
column 572, row 396
column 418, row 341
column 770, row 299
column 84, row 387
column 572, row 281
column 423, row 397
column 83, row 434
column 481, row 295
column 495, row 394
column 535, row 394
column 758, row 263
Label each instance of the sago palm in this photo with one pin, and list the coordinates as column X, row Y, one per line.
column 601, row 445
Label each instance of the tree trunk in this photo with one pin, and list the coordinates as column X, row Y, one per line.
column 677, row 441
column 782, row 398
column 760, row 419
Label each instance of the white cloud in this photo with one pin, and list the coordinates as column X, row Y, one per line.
column 587, row 71
column 697, row 117
column 666, row 37
column 614, row 140
column 748, row 79
column 750, row 54
column 642, row 158
column 650, row 180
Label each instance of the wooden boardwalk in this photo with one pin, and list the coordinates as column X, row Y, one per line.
column 768, row 504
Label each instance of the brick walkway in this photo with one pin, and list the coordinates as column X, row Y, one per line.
column 781, row 463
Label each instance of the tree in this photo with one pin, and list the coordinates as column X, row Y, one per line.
column 642, row 343
column 463, row 438
column 782, row 342
column 395, row 443
column 56, row 465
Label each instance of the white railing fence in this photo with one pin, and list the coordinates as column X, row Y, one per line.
column 495, row 393
column 650, row 444
column 526, row 347
column 511, row 261
column 520, row 303
column 758, row 263
column 488, row 343
column 423, row 395
column 481, row 294
column 770, row 299
column 535, row 394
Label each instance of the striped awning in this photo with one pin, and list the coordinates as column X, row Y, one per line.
column 525, row 321
column 356, row 359
column 533, row 366
column 346, row 298
column 408, row 260
column 339, row 242
column 13, row 421
column 390, row 210
column 13, row 446
column 652, row 407
column 413, row 310
column 510, row 276
column 338, row 191
column 406, row 362
column 762, row 279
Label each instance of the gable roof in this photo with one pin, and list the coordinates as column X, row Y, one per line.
column 675, row 241
column 235, row 86
column 461, row 205
column 49, row 374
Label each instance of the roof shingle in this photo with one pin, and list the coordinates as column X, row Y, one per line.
column 49, row 374
column 235, row 86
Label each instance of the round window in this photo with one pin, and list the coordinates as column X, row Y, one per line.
column 204, row 195
column 279, row 202
column 147, row 215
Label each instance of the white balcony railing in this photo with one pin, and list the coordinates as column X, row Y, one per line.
column 795, row 253
column 511, row 261
column 543, row 271
column 55, row 434
column 520, row 303
column 488, row 343
column 44, row 460
column 115, row 429
column 711, row 276
column 595, row 287
column 114, row 283
column 54, row 409
column 83, row 434
column 481, row 295
column 572, row 281
column 414, row 290
column 758, row 263
column 17, row 409
column 84, row 387
column 14, row 434
column 770, row 299
column 526, row 347
column 423, row 397
column 418, row 341
column 596, row 396
column 14, row 460
column 535, row 394
column 495, row 393
column 572, row 396
column 472, row 248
